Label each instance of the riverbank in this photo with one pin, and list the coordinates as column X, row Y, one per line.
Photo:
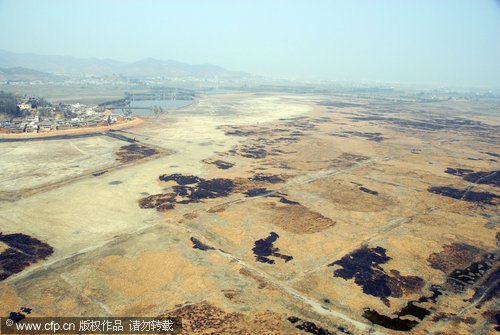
column 77, row 131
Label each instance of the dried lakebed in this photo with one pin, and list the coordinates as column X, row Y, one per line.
column 291, row 213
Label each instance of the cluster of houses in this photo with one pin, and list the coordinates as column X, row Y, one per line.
column 81, row 116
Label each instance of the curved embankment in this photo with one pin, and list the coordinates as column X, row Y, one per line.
column 79, row 131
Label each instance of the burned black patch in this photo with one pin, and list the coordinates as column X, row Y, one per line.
column 167, row 200
column 376, row 137
column 288, row 202
column 388, row 322
column 411, row 309
column 310, row 327
column 273, row 179
column 199, row 189
column 363, row 265
column 457, row 281
column 494, row 318
column 219, row 187
column 460, row 279
column 300, row 123
column 256, row 192
column 26, row 310
column 458, row 172
column 364, row 189
column 491, row 154
column 253, row 152
column 222, row 165
column 480, row 177
column 22, row 251
column 180, row 179
column 205, row 189
column 238, row 132
column 339, row 104
column 465, row 195
column 431, row 124
column 16, row 316
column 264, row 249
column 283, row 200
column 488, row 290
column 197, row 244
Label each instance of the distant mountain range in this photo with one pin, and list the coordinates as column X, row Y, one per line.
column 72, row 66
column 22, row 73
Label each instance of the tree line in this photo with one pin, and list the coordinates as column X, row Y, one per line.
column 8, row 105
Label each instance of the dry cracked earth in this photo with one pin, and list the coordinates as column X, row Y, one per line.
column 263, row 213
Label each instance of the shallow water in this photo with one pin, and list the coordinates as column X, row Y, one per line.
column 165, row 104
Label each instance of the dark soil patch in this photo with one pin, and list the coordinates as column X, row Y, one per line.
column 23, row 251
column 264, row 249
column 364, row 189
column 197, row 244
column 465, row 195
column 132, row 152
column 363, row 265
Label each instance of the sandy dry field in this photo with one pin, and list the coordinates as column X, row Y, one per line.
column 263, row 213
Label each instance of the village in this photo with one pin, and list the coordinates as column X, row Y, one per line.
column 47, row 118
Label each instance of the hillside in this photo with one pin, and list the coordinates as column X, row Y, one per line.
column 22, row 73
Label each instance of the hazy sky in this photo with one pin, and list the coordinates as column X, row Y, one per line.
column 438, row 41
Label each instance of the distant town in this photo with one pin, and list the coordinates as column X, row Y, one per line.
column 35, row 115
